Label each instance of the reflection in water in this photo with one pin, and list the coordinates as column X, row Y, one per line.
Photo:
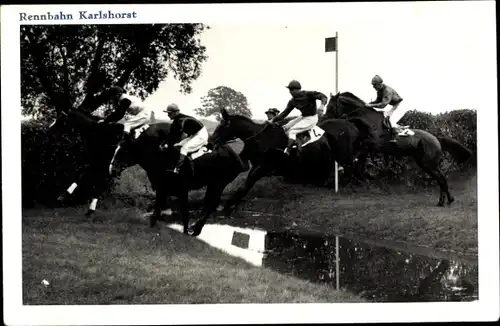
column 376, row 273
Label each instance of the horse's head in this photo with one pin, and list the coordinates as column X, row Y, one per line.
column 332, row 107
column 226, row 130
column 344, row 105
column 59, row 122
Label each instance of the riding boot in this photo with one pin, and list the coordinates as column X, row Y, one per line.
column 124, row 138
column 179, row 163
column 291, row 143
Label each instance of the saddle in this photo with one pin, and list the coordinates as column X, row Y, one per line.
column 310, row 136
column 192, row 156
column 401, row 131
column 137, row 131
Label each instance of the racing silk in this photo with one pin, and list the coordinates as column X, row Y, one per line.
column 183, row 123
column 387, row 95
column 305, row 102
column 127, row 104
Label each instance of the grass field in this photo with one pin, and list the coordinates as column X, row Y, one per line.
column 121, row 261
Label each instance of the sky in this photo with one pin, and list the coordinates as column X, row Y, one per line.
column 439, row 56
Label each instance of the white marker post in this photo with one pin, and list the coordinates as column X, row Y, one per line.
column 331, row 45
column 337, row 262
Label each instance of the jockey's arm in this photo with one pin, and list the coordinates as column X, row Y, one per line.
column 285, row 112
column 119, row 113
column 386, row 99
column 320, row 96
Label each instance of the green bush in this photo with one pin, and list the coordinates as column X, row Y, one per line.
column 50, row 162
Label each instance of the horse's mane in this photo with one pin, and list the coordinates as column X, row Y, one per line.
column 239, row 117
column 351, row 99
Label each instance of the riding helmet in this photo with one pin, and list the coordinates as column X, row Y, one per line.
column 294, row 84
column 172, row 108
column 377, row 80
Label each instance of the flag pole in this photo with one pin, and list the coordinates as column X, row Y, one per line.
column 337, row 262
column 336, row 91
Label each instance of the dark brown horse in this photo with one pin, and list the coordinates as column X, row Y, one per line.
column 425, row 148
column 264, row 145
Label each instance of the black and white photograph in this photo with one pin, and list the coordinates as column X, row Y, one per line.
column 178, row 164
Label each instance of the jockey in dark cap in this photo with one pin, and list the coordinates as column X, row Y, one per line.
column 197, row 133
column 305, row 102
column 272, row 113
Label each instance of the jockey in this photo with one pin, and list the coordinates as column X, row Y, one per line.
column 130, row 111
column 272, row 113
column 305, row 102
column 197, row 133
column 387, row 95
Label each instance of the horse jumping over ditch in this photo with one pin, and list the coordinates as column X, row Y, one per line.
column 264, row 145
column 214, row 169
column 374, row 131
column 101, row 143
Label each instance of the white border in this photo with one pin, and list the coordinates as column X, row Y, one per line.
column 487, row 308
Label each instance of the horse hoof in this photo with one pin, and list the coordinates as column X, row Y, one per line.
column 194, row 231
column 451, row 200
column 440, row 204
column 89, row 213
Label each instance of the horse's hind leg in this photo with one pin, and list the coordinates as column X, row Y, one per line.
column 446, row 188
column 211, row 201
column 441, row 180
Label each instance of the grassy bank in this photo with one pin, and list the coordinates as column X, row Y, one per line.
column 122, row 261
column 378, row 212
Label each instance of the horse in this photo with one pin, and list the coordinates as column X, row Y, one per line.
column 375, row 130
column 101, row 143
column 214, row 169
column 264, row 144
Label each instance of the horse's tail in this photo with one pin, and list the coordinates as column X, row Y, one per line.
column 459, row 152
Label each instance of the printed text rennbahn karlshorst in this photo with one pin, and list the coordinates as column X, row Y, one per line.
column 82, row 15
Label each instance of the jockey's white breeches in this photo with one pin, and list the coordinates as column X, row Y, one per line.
column 195, row 142
column 395, row 114
column 299, row 125
column 131, row 121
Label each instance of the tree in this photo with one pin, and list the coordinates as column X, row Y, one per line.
column 66, row 65
column 223, row 97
